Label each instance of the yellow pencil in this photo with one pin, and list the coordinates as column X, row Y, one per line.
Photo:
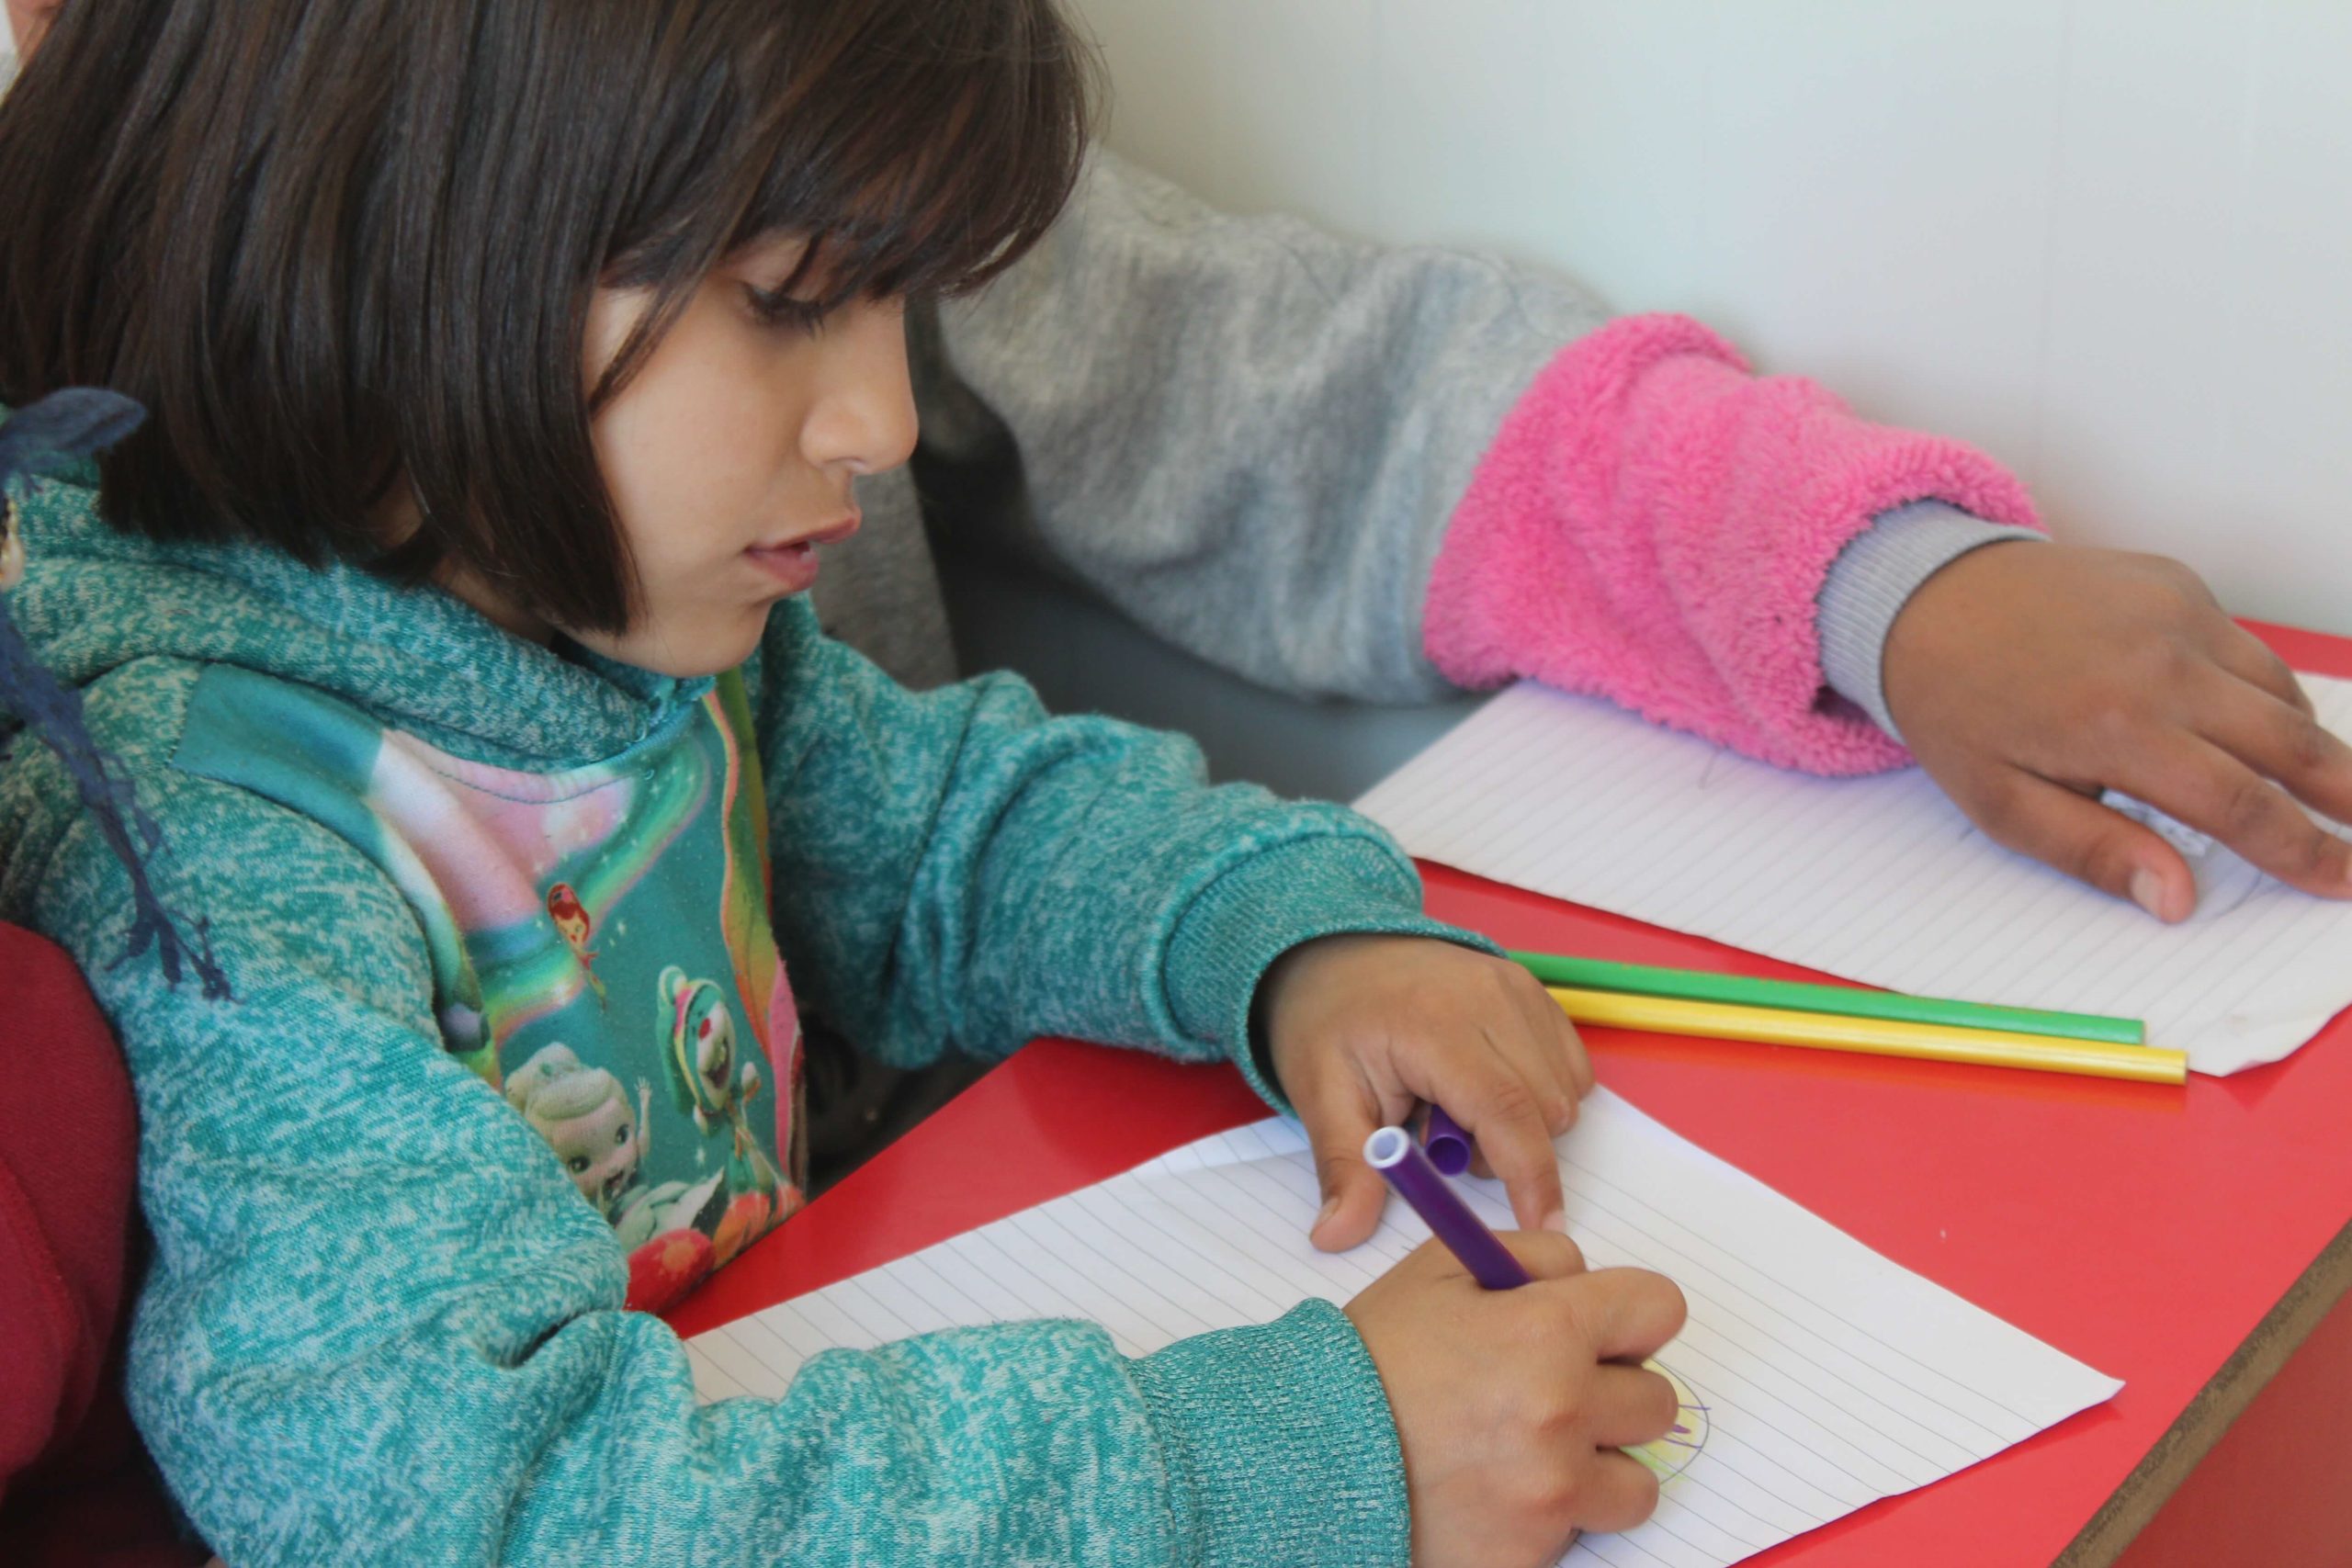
column 1881, row 1037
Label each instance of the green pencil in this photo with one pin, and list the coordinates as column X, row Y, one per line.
column 1696, row 985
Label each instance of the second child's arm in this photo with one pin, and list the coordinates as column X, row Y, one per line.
column 1341, row 468
column 1245, row 432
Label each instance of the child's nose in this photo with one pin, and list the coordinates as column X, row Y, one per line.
column 863, row 420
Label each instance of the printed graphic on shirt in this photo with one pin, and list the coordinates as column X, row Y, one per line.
column 600, row 942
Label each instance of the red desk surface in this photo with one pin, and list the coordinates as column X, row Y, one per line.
column 2143, row 1229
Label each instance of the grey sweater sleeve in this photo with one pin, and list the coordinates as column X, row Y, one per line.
column 1250, row 436
column 1874, row 577
column 1246, row 434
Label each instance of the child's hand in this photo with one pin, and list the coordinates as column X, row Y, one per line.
column 1510, row 1405
column 1359, row 1028
column 2026, row 677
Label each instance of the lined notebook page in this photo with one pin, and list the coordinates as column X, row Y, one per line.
column 1816, row 1375
column 1880, row 880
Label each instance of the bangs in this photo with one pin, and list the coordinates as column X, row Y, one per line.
column 337, row 245
column 919, row 147
column 959, row 138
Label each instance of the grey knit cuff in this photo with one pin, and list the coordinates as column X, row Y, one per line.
column 1872, row 580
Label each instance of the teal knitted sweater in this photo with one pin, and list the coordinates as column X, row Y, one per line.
column 510, row 1055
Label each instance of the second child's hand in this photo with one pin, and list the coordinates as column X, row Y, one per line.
column 2026, row 677
column 1359, row 1029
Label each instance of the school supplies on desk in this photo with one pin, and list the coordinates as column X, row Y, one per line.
column 1880, row 880
column 1843, row 1017
column 1745, row 990
column 1817, row 1376
column 1414, row 1177
column 1880, row 1037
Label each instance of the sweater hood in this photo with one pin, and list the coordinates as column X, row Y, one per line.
column 413, row 657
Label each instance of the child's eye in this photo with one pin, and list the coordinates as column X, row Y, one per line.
column 779, row 309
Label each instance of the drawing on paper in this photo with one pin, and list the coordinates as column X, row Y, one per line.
column 1671, row 1455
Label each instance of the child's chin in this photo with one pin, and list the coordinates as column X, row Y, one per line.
column 710, row 647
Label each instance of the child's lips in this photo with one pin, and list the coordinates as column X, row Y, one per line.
column 832, row 532
column 792, row 562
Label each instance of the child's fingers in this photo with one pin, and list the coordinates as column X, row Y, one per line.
column 1492, row 1098
column 1561, row 1050
column 2251, row 659
column 1545, row 1255
column 2088, row 842
column 1626, row 1313
column 1631, row 1404
column 2215, row 792
column 1550, row 1054
column 2281, row 741
column 1617, row 1492
column 1338, row 1117
column 1547, row 1052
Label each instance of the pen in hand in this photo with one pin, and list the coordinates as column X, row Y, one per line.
column 1447, row 1144
column 1392, row 1152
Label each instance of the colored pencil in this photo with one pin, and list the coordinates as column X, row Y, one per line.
column 1851, row 1001
column 1884, row 1037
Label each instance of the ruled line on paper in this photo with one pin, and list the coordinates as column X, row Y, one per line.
column 1831, row 1377
column 1880, row 880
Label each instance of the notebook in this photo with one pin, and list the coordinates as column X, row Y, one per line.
column 1880, row 880
column 1815, row 1376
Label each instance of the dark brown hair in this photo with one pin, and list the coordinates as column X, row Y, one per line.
column 331, row 242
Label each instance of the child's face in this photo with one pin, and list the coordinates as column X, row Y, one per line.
column 729, row 455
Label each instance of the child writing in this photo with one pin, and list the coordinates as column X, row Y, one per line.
column 509, row 365
column 1381, row 473
column 1338, row 469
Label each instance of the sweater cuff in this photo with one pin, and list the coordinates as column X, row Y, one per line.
column 1872, row 580
column 1349, row 881
column 1653, row 525
column 1280, row 1446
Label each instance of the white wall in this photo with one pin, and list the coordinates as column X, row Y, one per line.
column 2109, row 241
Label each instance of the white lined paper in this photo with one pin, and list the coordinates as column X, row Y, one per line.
column 1880, row 880
column 1831, row 1376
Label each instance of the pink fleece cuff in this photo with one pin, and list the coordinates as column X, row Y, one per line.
column 1653, row 525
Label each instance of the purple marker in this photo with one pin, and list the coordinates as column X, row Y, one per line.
column 1392, row 1152
column 1448, row 1145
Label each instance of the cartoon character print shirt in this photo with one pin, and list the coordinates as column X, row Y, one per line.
column 600, row 940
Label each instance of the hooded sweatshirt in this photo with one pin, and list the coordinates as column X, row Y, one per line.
column 518, row 941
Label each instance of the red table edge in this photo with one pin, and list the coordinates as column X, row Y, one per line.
column 2282, row 1330
column 2207, row 1417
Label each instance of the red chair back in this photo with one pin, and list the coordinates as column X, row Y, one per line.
column 75, row 1483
